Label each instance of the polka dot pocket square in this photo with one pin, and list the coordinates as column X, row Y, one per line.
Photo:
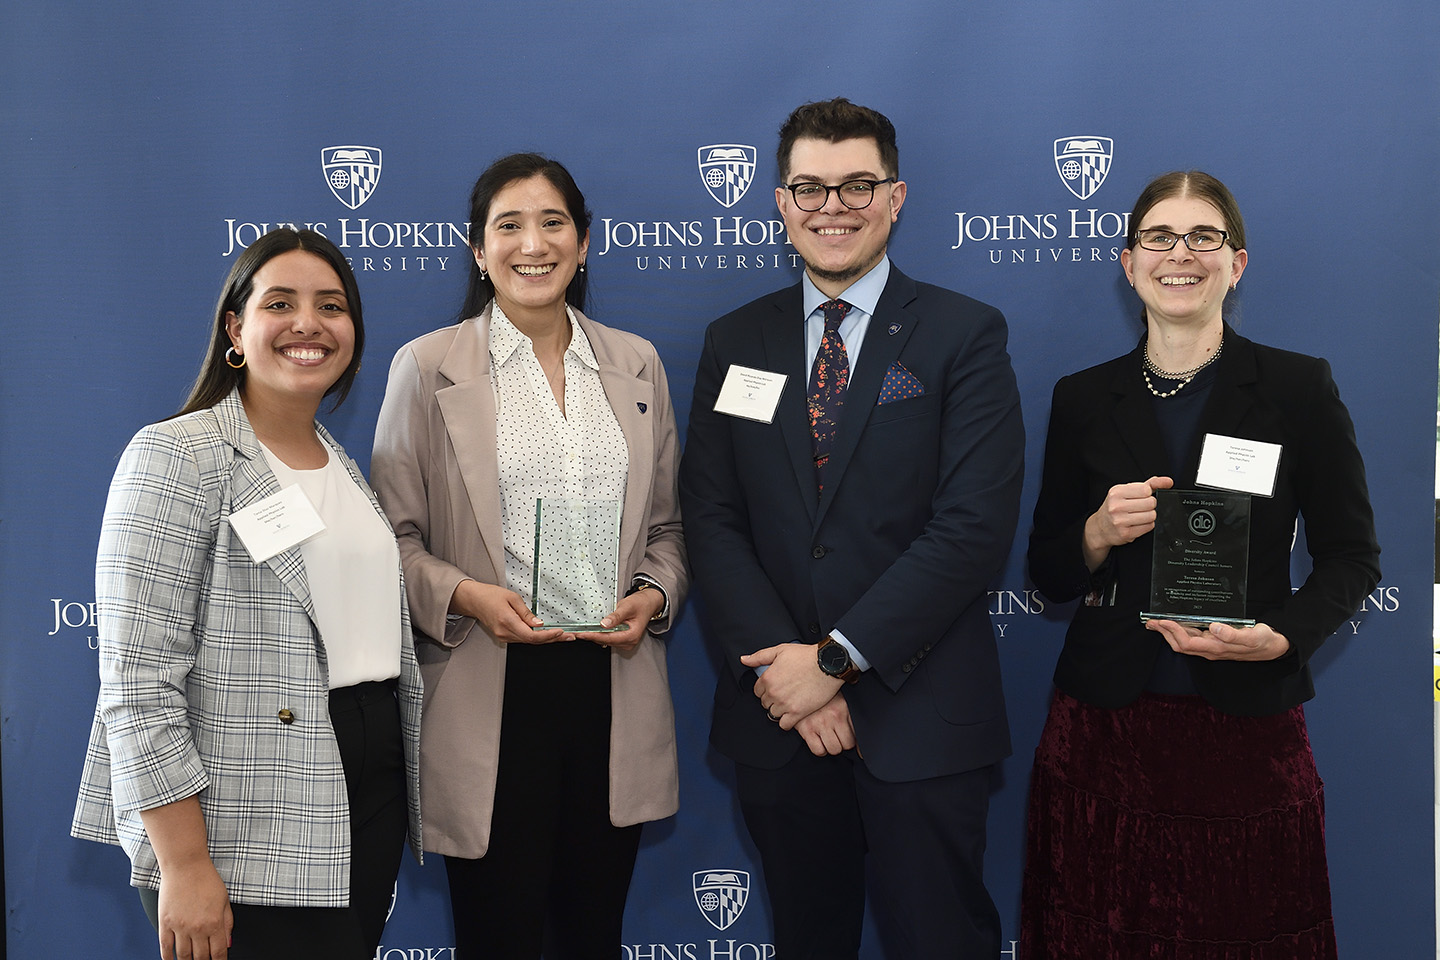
column 900, row 384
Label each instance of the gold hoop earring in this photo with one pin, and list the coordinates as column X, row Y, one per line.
column 230, row 363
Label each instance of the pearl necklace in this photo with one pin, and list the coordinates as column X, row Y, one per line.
column 1184, row 376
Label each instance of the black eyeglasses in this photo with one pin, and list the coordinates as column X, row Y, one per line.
column 855, row 194
column 1200, row 241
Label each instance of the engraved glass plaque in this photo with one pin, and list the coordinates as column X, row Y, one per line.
column 577, row 564
column 1201, row 557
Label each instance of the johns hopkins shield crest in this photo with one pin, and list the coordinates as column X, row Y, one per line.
column 727, row 170
column 351, row 173
column 721, row 895
column 1082, row 163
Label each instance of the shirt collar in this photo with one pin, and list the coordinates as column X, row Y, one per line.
column 862, row 295
column 506, row 338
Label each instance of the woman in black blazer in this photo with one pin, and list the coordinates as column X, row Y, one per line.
column 1175, row 810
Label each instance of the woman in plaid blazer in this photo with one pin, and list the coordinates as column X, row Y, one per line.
column 255, row 742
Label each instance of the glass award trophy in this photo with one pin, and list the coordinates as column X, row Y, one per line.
column 576, row 564
column 1201, row 558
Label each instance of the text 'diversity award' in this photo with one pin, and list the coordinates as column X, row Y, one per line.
column 1201, row 557
column 577, row 563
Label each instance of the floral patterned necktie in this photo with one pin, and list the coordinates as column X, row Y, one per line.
column 828, row 380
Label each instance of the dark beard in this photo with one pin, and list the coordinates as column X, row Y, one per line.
column 843, row 276
column 836, row 276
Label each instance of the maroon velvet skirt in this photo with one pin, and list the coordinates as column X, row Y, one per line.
column 1167, row 829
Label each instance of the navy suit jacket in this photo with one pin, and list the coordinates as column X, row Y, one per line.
column 917, row 518
column 1103, row 431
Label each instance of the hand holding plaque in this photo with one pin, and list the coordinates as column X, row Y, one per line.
column 1201, row 558
column 576, row 571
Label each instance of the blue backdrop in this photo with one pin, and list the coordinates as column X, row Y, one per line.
column 140, row 149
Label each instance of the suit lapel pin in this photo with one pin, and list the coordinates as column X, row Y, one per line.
column 893, row 329
column 640, row 405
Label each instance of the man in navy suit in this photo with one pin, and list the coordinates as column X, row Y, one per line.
column 849, row 488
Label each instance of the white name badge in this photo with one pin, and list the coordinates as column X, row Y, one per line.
column 750, row 393
column 277, row 523
column 1245, row 466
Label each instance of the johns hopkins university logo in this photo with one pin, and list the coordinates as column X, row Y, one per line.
column 721, row 895
column 727, row 170
column 1082, row 163
column 351, row 172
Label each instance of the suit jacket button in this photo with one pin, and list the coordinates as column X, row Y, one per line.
column 908, row 667
column 814, row 628
column 286, row 717
column 818, row 552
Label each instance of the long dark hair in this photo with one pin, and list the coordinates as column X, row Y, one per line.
column 498, row 176
column 217, row 378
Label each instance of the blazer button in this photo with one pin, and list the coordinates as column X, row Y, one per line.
column 814, row 628
column 818, row 552
column 286, row 717
column 907, row 668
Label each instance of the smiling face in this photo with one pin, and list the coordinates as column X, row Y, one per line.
column 839, row 245
column 531, row 249
column 1180, row 287
column 295, row 331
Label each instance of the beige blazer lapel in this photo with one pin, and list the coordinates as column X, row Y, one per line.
column 633, row 401
column 468, row 408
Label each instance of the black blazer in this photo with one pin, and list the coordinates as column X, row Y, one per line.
column 920, row 504
column 1103, row 431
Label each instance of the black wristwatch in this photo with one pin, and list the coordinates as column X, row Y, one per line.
column 639, row 585
column 834, row 660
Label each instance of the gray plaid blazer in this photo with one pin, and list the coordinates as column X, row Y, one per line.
column 201, row 649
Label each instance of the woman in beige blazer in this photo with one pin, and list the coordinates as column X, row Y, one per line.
column 542, row 749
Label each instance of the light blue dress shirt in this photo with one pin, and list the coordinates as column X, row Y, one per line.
column 862, row 295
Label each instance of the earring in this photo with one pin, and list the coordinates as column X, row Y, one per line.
column 582, row 266
column 229, row 362
column 483, row 274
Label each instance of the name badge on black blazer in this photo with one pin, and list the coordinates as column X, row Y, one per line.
column 1245, row 466
column 750, row 393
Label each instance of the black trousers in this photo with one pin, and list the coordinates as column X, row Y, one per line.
column 366, row 718
column 556, row 873
column 825, row 826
